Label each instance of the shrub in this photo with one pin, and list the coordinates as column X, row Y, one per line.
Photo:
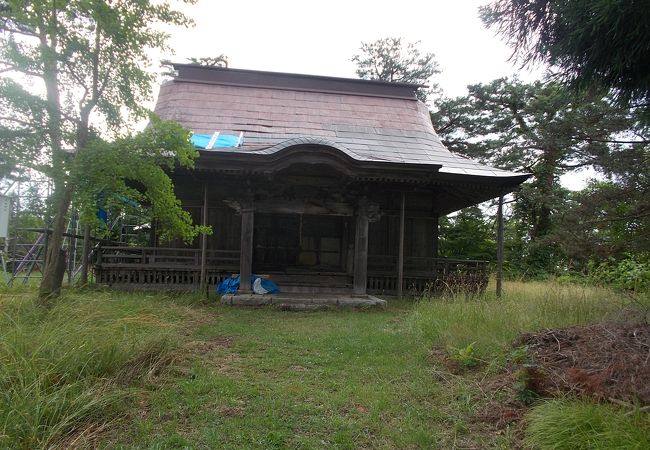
column 631, row 273
column 464, row 355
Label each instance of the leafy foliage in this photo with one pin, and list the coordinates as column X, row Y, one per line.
column 138, row 172
column 632, row 272
column 590, row 42
column 217, row 61
column 389, row 59
column 464, row 355
column 467, row 235
column 606, row 220
column 539, row 128
column 76, row 69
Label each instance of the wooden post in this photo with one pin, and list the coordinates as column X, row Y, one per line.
column 85, row 256
column 436, row 233
column 400, row 256
column 246, row 249
column 46, row 243
column 361, row 252
column 435, row 250
column 152, row 234
column 500, row 247
column 204, row 243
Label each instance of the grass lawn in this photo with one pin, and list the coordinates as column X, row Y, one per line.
column 270, row 379
column 118, row 370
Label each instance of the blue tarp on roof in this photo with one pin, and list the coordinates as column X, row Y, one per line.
column 223, row 141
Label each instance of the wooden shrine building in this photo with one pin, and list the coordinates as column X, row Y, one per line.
column 333, row 185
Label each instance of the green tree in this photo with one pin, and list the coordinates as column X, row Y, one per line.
column 216, row 61
column 469, row 235
column 601, row 43
column 137, row 177
column 539, row 128
column 610, row 219
column 391, row 60
column 75, row 68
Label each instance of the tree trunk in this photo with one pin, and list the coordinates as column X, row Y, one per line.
column 85, row 256
column 546, row 186
column 52, row 278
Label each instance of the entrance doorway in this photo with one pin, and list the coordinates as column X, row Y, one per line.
column 295, row 241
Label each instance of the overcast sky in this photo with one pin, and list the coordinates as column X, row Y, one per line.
column 321, row 37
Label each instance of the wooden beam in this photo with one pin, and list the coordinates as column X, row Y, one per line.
column 204, row 243
column 500, row 248
column 361, row 251
column 317, row 207
column 400, row 258
column 246, row 248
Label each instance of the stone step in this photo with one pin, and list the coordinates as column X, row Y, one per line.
column 300, row 302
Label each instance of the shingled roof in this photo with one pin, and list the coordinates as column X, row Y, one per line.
column 370, row 121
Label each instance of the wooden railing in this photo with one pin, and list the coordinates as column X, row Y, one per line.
column 426, row 275
column 180, row 268
column 171, row 268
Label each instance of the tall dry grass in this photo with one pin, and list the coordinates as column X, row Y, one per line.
column 74, row 365
column 491, row 324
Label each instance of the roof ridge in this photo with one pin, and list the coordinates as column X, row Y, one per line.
column 299, row 75
column 195, row 73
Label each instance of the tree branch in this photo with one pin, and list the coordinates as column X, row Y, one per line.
column 21, row 31
column 19, row 121
column 11, row 67
column 618, row 219
column 608, row 141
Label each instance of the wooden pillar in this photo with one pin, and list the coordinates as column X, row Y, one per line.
column 349, row 249
column 361, row 251
column 204, row 243
column 246, row 249
column 500, row 248
column 436, row 233
column 400, row 255
column 153, row 242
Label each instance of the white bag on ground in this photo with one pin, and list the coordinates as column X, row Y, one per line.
column 257, row 287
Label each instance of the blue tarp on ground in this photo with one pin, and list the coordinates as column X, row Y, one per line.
column 231, row 285
column 223, row 141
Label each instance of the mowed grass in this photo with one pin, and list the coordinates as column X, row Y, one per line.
column 115, row 370
column 273, row 379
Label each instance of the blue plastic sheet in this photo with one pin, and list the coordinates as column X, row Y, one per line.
column 223, row 141
column 231, row 285
column 228, row 286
